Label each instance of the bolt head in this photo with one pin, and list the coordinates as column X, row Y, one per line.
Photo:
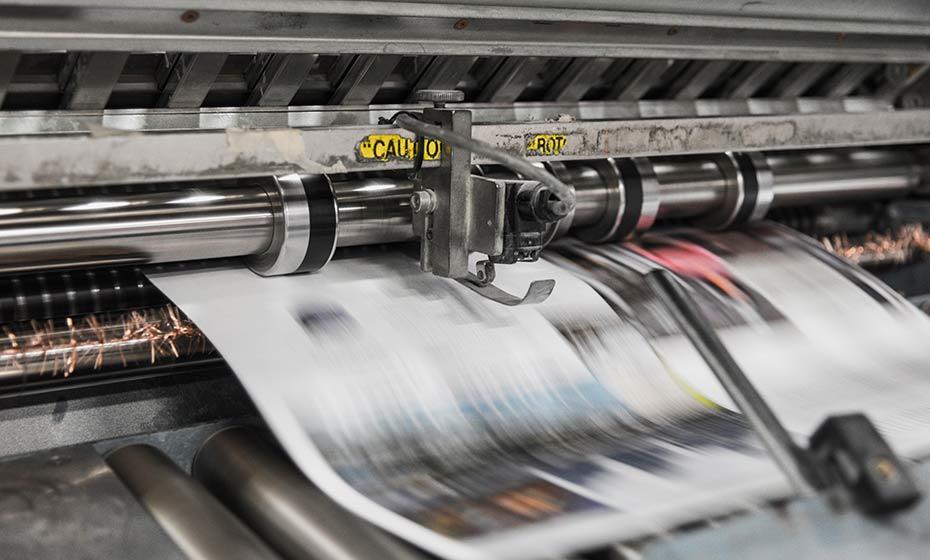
column 423, row 201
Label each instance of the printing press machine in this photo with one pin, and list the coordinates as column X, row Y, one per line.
column 140, row 134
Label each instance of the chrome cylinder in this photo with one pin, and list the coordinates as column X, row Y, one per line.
column 156, row 224
column 292, row 223
column 688, row 187
column 281, row 505
column 373, row 210
column 802, row 178
column 201, row 527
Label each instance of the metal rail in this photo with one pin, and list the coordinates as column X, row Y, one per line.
column 67, row 161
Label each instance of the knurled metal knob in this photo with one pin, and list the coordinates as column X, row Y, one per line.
column 440, row 97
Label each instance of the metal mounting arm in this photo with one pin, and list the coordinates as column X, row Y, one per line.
column 456, row 214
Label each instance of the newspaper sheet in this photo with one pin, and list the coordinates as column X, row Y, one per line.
column 476, row 430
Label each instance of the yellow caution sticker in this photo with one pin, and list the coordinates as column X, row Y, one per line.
column 546, row 145
column 390, row 147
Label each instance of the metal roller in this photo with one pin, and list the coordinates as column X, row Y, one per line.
column 293, row 223
column 57, row 349
column 281, row 505
column 201, row 527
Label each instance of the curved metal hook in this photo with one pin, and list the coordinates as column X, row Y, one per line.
column 537, row 292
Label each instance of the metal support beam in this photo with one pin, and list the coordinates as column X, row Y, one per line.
column 55, row 161
column 364, row 78
column 575, row 81
column 799, row 79
column 697, row 78
column 9, row 60
column 639, row 78
column 190, row 79
column 510, row 79
column 443, row 72
column 279, row 79
column 91, row 79
column 144, row 28
column 750, row 79
column 845, row 80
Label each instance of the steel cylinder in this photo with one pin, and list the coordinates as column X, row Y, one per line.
column 136, row 225
column 247, row 217
column 373, row 210
column 201, row 527
column 273, row 497
column 803, row 178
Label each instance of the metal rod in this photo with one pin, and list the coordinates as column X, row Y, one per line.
column 208, row 220
column 277, row 502
column 796, row 465
column 43, row 350
column 200, row 526
column 803, row 178
column 232, row 218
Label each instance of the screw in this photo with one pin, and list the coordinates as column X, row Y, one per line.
column 673, row 30
column 885, row 468
column 190, row 16
column 423, row 201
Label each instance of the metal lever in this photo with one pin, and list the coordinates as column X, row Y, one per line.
column 481, row 282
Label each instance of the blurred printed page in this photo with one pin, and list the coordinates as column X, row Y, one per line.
column 476, row 430
column 815, row 334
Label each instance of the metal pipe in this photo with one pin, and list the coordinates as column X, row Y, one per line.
column 280, row 504
column 157, row 224
column 242, row 217
column 373, row 210
column 44, row 350
column 201, row 527
column 688, row 187
column 803, row 178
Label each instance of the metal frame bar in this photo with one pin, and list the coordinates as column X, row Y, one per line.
column 8, row 62
column 55, row 161
column 190, row 79
column 91, row 79
column 363, row 79
column 222, row 30
column 894, row 17
column 59, row 122
column 280, row 79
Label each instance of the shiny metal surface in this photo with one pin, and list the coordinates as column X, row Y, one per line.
column 688, row 187
column 291, row 234
column 268, row 216
column 198, row 524
column 135, row 226
column 67, row 503
column 373, row 210
column 804, row 178
column 265, row 490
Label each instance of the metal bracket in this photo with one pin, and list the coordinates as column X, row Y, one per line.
column 456, row 214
